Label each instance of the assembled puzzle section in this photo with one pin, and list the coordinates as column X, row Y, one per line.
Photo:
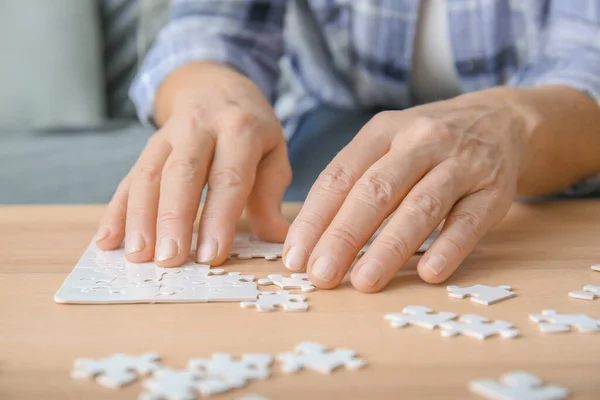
column 105, row 277
column 246, row 246
column 517, row 385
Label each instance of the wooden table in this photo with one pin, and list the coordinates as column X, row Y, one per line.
column 543, row 251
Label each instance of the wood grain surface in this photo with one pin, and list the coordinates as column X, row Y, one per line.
column 542, row 250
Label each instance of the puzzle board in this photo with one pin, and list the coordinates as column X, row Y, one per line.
column 105, row 277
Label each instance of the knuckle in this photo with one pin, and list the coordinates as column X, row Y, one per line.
column 225, row 178
column 185, row 169
column 136, row 212
column 169, row 217
column 423, row 204
column 149, row 172
column 382, row 118
column 236, row 121
column 336, row 179
column 457, row 244
column 309, row 222
column 431, row 129
column 375, row 190
column 394, row 245
column 470, row 220
column 348, row 237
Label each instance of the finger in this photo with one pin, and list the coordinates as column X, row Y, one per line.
column 183, row 179
column 330, row 190
column 230, row 181
column 374, row 196
column 419, row 213
column 465, row 225
column 142, row 203
column 112, row 226
column 263, row 209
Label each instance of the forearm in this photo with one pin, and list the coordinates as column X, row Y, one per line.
column 562, row 137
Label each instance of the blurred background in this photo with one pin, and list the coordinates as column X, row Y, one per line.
column 68, row 131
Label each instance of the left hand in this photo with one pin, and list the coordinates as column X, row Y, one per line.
column 458, row 160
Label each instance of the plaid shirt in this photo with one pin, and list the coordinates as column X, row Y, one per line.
column 358, row 53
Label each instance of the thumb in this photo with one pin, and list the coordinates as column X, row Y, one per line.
column 263, row 211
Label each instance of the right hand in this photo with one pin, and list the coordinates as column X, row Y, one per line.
column 218, row 129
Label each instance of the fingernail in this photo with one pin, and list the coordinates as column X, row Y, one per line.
column 167, row 249
column 370, row 273
column 135, row 243
column 102, row 234
column 208, row 250
column 435, row 264
column 295, row 259
column 324, row 269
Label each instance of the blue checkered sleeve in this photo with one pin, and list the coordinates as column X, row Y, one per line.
column 570, row 52
column 569, row 55
column 245, row 34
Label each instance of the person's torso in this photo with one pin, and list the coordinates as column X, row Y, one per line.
column 361, row 53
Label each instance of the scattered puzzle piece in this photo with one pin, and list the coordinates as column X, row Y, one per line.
column 169, row 384
column 116, row 370
column 252, row 397
column 222, row 373
column 552, row 322
column 478, row 327
column 295, row 281
column 589, row 292
column 418, row 315
column 316, row 356
column 517, row 386
column 596, row 267
column 481, row 294
column 267, row 302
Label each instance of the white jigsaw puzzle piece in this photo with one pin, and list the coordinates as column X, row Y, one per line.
column 116, row 370
column 552, row 322
column 481, row 294
column 478, row 327
column 419, row 316
column 596, row 267
column 269, row 301
column 589, row 292
column 216, row 385
column 517, row 385
column 252, row 396
column 295, row 281
column 169, row 384
column 222, row 373
column 317, row 357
